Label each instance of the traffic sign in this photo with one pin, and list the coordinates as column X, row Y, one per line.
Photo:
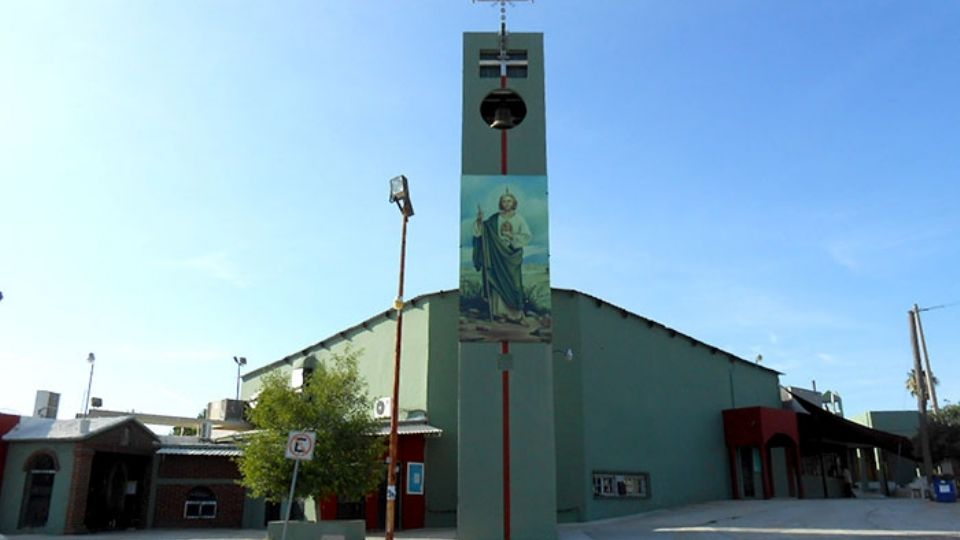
column 300, row 445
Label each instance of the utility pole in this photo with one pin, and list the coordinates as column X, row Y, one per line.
column 926, row 357
column 921, row 398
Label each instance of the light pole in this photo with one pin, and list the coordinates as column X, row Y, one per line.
column 400, row 194
column 921, row 400
column 86, row 397
column 240, row 361
column 928, row 376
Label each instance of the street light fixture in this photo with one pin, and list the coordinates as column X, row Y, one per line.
column 86, row 397
column 400, row 194
column 240, row 361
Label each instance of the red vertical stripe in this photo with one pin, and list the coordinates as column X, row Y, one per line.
column 505, row 380
column 505, row 376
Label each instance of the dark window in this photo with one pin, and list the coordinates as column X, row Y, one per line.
column 201, row 503
column 516, row 72
column 38, row 488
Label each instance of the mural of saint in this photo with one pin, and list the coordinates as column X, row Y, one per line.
column 498, row 246
column 504, row 259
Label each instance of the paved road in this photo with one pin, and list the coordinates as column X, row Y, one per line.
column 782, row 520
column 835, row 519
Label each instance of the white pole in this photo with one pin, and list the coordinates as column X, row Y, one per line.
column 293, row 486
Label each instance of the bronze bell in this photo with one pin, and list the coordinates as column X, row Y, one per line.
column 503, row 109
column 503, row 118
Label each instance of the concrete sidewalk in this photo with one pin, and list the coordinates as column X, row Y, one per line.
column 784, row 519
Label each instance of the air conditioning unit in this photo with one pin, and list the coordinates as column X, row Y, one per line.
column 382, row 408
column 46, row 404
column 225, row 410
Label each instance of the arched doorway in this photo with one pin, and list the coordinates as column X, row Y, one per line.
column 41, row 468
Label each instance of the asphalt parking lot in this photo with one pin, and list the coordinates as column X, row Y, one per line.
column 785, row 519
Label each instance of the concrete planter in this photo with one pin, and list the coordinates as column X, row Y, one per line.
column 345, row 529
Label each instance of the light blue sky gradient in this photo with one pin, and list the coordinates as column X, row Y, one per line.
column 182, row 182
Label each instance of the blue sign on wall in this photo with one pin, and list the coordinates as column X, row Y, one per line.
column 414, row 478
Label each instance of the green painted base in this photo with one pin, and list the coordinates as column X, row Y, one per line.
column 533, row 494
column 347, row 529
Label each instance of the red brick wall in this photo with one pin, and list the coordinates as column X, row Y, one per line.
column 177, row 475
column 140, row 440
column 219, row 467
column 79, row 489
column 171, row 498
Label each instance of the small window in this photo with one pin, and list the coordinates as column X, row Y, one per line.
column 516, row 61
column 610, row 485
column 201, row 503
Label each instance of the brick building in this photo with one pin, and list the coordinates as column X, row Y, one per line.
column 99, row 474
column 73, row 476
column 196, row 485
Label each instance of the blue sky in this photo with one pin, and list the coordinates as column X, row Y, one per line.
column 182, row 182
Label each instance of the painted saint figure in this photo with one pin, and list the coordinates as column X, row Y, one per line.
column 498, row 246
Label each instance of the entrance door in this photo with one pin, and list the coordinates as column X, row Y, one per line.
column 750, row 471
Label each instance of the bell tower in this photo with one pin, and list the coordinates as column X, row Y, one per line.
column 506, row 447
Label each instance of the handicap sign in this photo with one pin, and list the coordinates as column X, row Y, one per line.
column 415, row 478
column 300, row 445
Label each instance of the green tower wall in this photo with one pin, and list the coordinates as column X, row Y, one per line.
column 480, row 149
column 480, row 513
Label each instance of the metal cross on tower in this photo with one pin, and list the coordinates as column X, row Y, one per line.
column 503, row 56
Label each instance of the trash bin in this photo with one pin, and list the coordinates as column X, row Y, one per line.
column 944, row 490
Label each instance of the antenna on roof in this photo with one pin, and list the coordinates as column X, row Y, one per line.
column 503, row 30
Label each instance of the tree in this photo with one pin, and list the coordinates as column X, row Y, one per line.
column 911, row 382
column 943, row 429
column 347, row 458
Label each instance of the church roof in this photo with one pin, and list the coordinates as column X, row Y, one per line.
column 343, row 334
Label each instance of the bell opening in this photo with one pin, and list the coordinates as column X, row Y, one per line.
column 503, row 109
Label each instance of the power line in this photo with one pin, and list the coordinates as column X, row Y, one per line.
column 940, row 306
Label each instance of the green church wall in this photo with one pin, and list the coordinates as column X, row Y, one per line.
column 636, row 397
column 440, row 475
column 374, row 341
column 652, row 404
column 568, row 407
column 14, row 482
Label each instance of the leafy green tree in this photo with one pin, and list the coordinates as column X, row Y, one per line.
column 944, row 432
column 333, row 403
